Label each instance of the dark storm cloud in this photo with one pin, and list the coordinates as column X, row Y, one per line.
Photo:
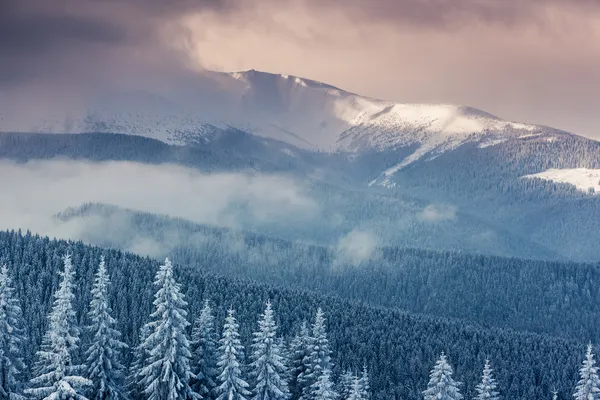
column 46, row 37
column 22, row 31
column 55, row 25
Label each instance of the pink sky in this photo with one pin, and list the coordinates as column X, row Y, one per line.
column 528, row 60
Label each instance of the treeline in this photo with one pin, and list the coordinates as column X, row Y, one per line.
column 397, row 348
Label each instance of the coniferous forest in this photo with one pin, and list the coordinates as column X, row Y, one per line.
column 85, row 321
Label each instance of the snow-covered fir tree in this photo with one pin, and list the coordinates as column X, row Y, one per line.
column 345, row 383
column 204, row 354
column 318, row 359
column 588, row 387
column 356, row 392
column 135, row 380
column 299, row 352
column 232, row 385
column 11, row 339
column 441, row 384
column 324, row 387
column 486, row 390
column 365, row 383
column 57, row 375
column 166, row 373
column 104, row 367
column 268, row 365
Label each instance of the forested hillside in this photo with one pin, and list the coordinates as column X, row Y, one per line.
column 556, row 298
column 397, row 348
column 469, row 199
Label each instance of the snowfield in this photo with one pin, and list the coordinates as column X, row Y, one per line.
column 583, row 179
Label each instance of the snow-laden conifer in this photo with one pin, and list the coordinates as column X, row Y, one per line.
column 319, row 358
column 57, row 374
column 441, row 384
column 268, row 365
column 356, row 392
column 232, row 385
column 324, row 387
column 365, row 384
column 104, row 368
column 204, row 354
column 345, row 383
column 166, row 373
column 299, row 352
column 588, row 387
column 11, row 339
column 486, row 390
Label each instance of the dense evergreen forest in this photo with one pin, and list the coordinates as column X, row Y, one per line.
column 398, row 349
column 556, row 298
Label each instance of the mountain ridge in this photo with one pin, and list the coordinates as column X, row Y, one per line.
column 304, row 113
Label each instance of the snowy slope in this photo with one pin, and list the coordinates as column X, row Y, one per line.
column 584, row 179
column 301, row 112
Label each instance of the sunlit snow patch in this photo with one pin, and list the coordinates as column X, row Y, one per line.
column 582, row 178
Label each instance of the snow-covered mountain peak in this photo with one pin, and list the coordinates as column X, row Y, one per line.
column 302, row 112
column 253, row 77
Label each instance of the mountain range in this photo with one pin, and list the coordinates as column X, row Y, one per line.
column 441, row 177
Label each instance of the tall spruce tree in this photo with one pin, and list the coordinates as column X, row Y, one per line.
column 167, row 369
column 11, row 339
column 268, row 365
column 104, row 368
column 441, row 385
column 204, row 354
column 57, row 375
column 486, row 390
column 319, row 358
column 299, row 352
column 588, row 387
column 232, row 386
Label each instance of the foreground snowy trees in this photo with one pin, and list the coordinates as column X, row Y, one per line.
column 204, row 353
column 167, row 366
column 318, row 360
column 57, row 375
column 166, row 372
column 11, row 339
column 104, row 368
column 588, row 387
column 298, row 353
column 486, row 390
column 324, row 388
column 268, row 368
column 231, row 384
column 441, row 385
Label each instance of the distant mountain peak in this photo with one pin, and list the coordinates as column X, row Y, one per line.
column 302, row 112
